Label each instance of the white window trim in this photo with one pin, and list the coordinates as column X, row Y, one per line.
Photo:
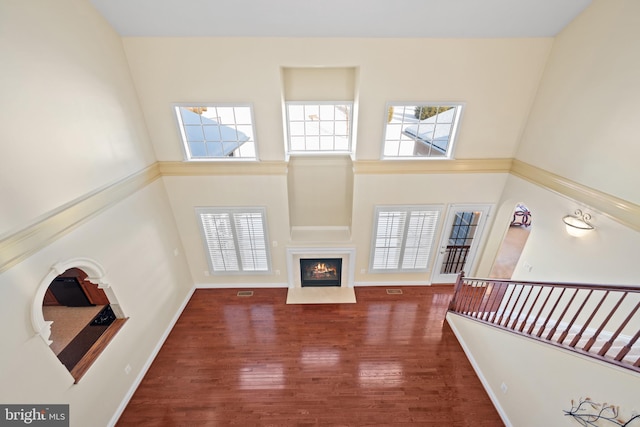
column 185, row 146
column 287, row 142
column 232, row 211
column 437, row 209
column 454, row 132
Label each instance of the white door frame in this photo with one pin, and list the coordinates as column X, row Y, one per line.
column 485, row 209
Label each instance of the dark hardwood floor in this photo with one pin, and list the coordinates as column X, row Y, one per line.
column 387, row 360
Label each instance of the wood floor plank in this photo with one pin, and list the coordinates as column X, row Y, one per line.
column 387, row 360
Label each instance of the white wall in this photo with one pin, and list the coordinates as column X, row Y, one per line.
column 541, row 380
column 583, row 127
column 72, row 126
column 70, row 116
column 320, row 191
column 584, row 123
column 605, row 256
column 269, row 191
column 134, row 242
column 495, row 78
column 408, row 189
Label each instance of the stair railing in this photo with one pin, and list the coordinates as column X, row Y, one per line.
column 599, row 321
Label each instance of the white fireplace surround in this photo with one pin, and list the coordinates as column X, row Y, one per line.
column 348, row 256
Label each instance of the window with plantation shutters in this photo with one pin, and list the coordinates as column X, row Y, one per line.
column 235, row 239
column 403, row 237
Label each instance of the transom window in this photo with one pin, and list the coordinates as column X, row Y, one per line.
column 319, row 127
column 217, row 131
column 421, row 130
column 403, row 237
column 235, row 239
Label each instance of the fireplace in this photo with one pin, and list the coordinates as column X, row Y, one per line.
column 320, row 271
column 346, row 256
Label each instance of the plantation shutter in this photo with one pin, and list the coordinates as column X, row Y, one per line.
column 421, row 233
column 389, row 236
column 235, row 239
column 219, row 241
column 251, row 241
column 404, row 238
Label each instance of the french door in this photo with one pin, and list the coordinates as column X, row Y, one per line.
column 463, row 231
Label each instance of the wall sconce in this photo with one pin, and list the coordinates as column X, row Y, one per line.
column 578, row 224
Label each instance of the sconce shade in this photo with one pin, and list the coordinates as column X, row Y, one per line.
column 577, row 225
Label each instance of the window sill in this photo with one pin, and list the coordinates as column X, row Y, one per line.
column 96, row 349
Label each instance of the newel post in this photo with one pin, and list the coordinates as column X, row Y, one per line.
column 456, row 290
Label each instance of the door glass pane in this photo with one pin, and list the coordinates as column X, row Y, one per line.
column 461, row 236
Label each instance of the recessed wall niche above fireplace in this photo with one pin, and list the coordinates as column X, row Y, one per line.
column 320, row 271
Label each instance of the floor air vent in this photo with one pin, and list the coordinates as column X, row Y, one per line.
column 394, row 291
column 245, row 293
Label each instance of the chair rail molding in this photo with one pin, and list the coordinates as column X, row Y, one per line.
column 18, row 246
column 208, row 168
column 380, row 167
column 620, row 210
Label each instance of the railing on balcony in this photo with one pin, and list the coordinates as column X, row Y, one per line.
column 598, row 321
column 455, row 258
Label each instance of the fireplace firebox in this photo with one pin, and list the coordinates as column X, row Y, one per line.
column 320, row 271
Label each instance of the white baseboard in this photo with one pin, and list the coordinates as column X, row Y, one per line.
column 480, row 375
column 392, row 284
column 286, row 285
column 152, row 356
column 240, row 285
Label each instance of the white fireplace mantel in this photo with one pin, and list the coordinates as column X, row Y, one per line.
column 348, row 256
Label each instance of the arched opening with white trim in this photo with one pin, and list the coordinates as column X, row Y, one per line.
column 514, row 240
column 76, row 313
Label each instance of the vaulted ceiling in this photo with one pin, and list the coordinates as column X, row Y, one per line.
column 341, row 18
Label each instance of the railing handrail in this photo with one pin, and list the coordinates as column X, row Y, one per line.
column 599, row 287
column 605, row 327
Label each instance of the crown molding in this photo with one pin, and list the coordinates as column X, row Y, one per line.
column 432, row 166
column 18, row 246
column 223, row 168
column 620, row 210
